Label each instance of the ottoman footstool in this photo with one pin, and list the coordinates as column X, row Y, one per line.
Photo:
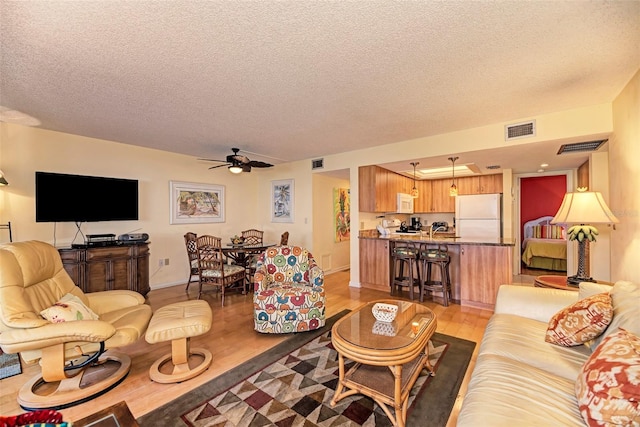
column 178, row 322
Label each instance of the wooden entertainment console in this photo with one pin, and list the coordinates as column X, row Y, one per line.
column 102, row 268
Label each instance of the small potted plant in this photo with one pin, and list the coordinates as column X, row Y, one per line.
column 237, row 240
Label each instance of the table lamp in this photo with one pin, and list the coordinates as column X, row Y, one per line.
column 582, row 209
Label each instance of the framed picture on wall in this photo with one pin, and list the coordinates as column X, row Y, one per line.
column 195, row 203
column 342, row 214
column 282, row 192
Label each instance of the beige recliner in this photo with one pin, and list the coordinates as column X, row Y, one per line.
column 32, row 279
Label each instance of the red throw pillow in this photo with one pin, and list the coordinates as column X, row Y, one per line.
column 580, row 322
column 608, row 387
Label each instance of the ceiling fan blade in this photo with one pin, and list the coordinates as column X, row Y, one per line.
column 214, row 160
column 258, row 164
column 246, row 168
column 240, row 158
column 218, row 166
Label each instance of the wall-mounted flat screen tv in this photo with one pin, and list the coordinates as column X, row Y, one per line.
column 79, row 198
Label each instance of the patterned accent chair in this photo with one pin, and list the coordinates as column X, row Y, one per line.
column 289, row 291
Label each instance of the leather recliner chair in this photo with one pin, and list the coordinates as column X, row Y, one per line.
column 32, row 278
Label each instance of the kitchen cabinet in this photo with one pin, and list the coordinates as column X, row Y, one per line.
column 373, row 193
column 482, row 184
column 95, row 269
column 482, row 269
column 490, row 184
column 393, row 183
column 441, row 201
column 378, row 189
column 434, row 197
column 423, row 203
column 399, row 183
column 374, row 264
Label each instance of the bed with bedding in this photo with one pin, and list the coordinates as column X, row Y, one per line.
column 544, row 245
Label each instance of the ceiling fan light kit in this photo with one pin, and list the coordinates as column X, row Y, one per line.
column 238, row 163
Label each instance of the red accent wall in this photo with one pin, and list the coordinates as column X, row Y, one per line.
column 540, row 196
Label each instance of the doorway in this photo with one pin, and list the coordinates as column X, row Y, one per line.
column 543, row 246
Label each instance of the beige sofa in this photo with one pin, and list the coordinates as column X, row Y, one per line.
column 519, row 379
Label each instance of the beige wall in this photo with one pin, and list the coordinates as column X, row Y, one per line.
column 24, row 150
column 331, row 255
column 599, row 252
column 624, row 180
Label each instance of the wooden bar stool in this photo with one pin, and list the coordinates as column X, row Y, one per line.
column 439, row 257
column 405, row 255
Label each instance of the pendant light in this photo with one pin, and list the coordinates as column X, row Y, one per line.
column 453, row 190
column 414, row 191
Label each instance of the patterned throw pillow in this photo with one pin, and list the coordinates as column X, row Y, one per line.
column 580, row 322
column 608, row 387
column 67, row 309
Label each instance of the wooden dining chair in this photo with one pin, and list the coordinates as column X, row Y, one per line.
column 284, row 239
column 192, row 254
column 212, row 266
column 252, row 236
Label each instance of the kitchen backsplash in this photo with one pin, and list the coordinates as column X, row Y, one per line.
column 428, row 219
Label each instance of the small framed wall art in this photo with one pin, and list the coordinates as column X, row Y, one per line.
column 282, row 206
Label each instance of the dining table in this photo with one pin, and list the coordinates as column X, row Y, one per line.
column 241, row 253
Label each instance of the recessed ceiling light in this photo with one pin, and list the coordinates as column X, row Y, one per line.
column 540, row 170
column 544, row 165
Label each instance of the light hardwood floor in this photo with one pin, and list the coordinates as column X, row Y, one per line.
column 232, row 340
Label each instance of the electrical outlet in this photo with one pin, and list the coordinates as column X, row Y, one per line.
column 161, row 262
column 166, row 261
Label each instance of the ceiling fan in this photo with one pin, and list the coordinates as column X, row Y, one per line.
column 238, row 163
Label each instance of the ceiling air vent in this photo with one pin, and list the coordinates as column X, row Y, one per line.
column 317, row 164
column 581, row 146
column 520, row 130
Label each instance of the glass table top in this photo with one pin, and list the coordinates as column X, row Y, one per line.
column 361, row 328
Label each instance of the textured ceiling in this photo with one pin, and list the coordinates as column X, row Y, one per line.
column 300, row 79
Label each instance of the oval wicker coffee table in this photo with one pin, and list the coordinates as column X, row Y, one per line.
column 389, row 356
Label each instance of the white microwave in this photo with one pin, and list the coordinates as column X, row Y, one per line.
column 405, row 203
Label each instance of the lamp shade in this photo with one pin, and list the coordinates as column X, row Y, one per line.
column 3, row 180
column 584, row 207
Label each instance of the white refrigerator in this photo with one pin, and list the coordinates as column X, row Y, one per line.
column 479, row 216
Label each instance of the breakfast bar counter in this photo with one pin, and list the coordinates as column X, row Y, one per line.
column 438, row 238
column 478, row 266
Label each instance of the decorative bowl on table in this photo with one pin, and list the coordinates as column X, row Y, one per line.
column 384, row 312
column 237, row 240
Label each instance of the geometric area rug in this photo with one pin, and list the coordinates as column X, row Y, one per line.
column 295, row 385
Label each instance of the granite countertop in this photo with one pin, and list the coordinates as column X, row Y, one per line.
column 447, row 239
